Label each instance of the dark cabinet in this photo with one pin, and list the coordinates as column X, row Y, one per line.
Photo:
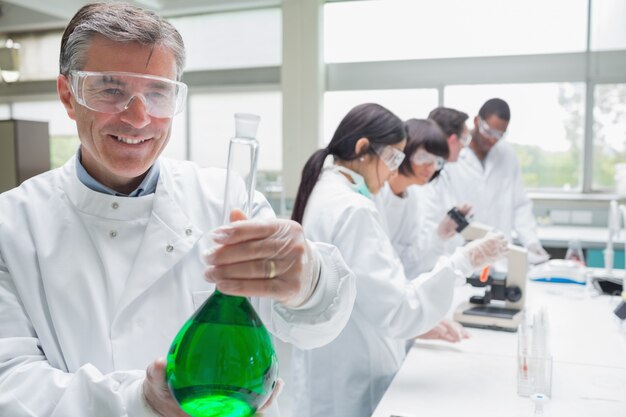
column 24, row 151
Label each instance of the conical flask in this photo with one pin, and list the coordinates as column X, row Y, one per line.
column 222, row 362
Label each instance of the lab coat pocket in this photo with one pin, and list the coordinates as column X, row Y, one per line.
column 200, row 297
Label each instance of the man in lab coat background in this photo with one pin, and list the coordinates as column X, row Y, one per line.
column 487, row 176
column 437, row 197
column 101, row 260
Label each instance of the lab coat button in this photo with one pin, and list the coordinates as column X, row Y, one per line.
column 188, row 232
column 115, row 205
column 169, row 248
column 113, row 233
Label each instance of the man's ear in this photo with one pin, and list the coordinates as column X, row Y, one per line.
column 361, row 146
column 65, row 94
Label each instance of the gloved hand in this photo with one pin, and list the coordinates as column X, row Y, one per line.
column 159, row 398
column 479, row 253
column 447, row 227
column 156, row 393
column 269, row 258
column 484, row 251
column 536, row 253
column 450, row 331
column 278, row 388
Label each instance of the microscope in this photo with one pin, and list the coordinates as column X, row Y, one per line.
column 502, row 304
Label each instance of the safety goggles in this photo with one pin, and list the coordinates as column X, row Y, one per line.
column 392, row 157
column 113, row 92
column 423, row 157
column 465, row 139
column 488, row 131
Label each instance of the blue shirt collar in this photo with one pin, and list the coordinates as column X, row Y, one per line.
column 147, row 186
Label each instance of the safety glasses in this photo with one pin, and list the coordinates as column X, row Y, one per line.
column 488, row 131
column 423, row 157
column 113, row 92
column 392, row 157
column 465, row 138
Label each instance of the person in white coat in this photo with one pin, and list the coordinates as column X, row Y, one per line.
column 399, row 199
column 398, row 203
column 101, row 259
column 347, row 377
column 437, row 197
column 487, row 176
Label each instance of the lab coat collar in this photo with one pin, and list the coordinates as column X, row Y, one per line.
column 483, row 168
column 167, row 224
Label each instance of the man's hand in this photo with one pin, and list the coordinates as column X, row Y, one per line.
column 272, row 399
column 160, row 400
column 450, row 331
column 447, row 227
column 157, row 394
column 268, row 258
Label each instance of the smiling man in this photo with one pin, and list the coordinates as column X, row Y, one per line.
column 101, row 260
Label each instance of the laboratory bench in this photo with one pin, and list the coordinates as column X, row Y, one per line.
column 555, row 239
column 478, row 376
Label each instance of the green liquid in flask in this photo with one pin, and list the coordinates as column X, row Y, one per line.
column 222, row 362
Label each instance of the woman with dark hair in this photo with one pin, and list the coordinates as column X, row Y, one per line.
column 348, row 377
column 399, row 201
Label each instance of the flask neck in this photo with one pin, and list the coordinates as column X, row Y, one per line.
column 218, row 293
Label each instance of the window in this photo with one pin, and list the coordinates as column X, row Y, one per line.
column 243, row 39
column 609, row 131
column 39, row 55
column 213, row 124
column 5, row 111
column 546, row 129
column 177, row 146
column 381, row 30
column 406, row 104
column 607, row 24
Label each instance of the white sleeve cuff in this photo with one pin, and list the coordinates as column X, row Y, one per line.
column 135, row 402
column 320, row 319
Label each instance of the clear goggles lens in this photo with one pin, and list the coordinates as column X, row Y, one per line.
column 113, row 92
column 465, row 139
column 423, row 157
column 488, row 131
column 391, row 156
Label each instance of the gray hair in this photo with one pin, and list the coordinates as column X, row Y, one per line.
column 118, row 22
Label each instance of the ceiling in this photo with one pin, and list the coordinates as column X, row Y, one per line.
column 32, row 15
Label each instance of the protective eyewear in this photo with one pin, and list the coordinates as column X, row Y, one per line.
column 392, row 157
column 488, row 131
column 423, row 157
column 113, row 92
column 465, row 138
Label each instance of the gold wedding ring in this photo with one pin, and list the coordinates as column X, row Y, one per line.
column 272, row 273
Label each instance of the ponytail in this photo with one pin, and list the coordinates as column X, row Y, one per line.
column 310, row 174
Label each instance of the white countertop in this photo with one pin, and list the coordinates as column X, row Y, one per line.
column 477, row 377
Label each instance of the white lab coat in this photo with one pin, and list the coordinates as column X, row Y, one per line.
column 495, row 190
column 435, row 200
column 71, row 344
column 400, row 214
column 348, row 377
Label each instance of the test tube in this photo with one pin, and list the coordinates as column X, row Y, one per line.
column 245, row 141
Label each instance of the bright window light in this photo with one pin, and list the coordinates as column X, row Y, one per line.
column 381, row 30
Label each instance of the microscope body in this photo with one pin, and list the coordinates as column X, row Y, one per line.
column 501, row 307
